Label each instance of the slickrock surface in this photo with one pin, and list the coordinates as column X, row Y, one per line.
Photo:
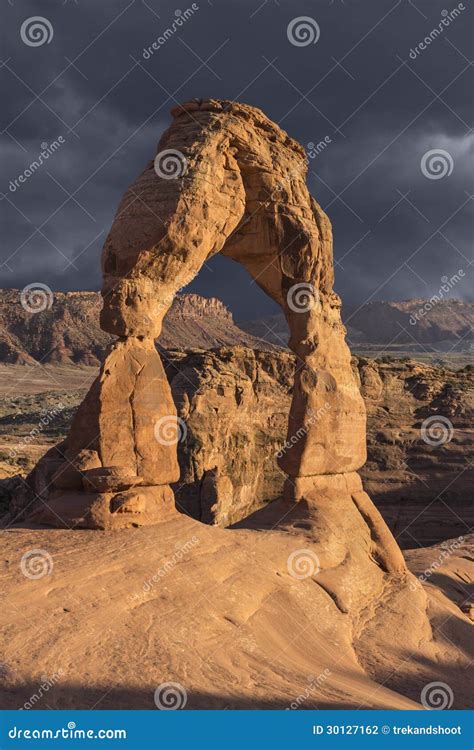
column 218, row 612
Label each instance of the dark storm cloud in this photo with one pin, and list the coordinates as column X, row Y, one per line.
column 373, row 108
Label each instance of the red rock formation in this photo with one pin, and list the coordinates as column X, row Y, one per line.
column 225, row 179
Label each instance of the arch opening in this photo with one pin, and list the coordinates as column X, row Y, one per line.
column 232, row 284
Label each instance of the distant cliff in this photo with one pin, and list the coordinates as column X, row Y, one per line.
column 67, row 330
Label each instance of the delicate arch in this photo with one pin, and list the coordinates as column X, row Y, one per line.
column 225, row 179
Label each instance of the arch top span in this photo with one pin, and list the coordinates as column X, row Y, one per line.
column 225, row 179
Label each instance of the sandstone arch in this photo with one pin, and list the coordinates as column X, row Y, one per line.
column 238, row 188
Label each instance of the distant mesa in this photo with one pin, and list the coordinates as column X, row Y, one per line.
column 414, row 325
column 69, row 332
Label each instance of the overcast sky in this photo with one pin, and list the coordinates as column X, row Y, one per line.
column 399, row 229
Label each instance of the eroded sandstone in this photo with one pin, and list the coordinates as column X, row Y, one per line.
column 238, row 188
column 235, row 401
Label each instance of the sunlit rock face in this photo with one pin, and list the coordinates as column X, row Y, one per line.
column 224, row 179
